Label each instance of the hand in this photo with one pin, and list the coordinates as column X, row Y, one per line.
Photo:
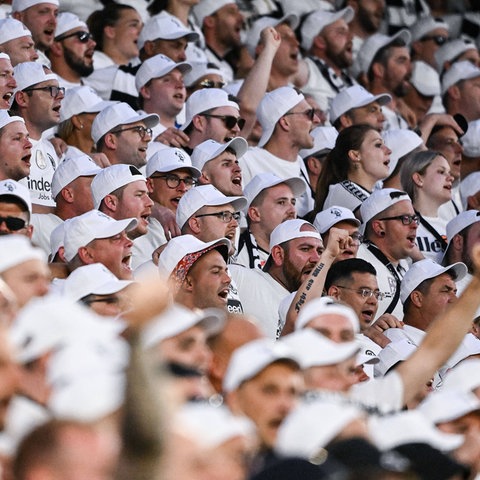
column 407, row 113
column 270, row 38
column 378, row 337
column 100, row 159
column 173, row 137
column 59, row 145
column 386, row 321
column 168, row 220
column 338, row 241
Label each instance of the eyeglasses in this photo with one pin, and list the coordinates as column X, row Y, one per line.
column 107, row 300
column 54, row 90
column 225, row 216
column 438, row 39
column 366, row 292
column 211, row 84
column 142, row 131
column 397, row 194
column 310, row 113
column 13, row 223
column 229, row 120
column 405, row 219
column 173, row 181
column 82, row 36
column 357, row 238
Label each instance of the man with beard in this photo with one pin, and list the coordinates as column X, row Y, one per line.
column 295, row 249
column 383, row 66
column 327, row 39
column 71, row 52
column 40, row 17
column 367, row 20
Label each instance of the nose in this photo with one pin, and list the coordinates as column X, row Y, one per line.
column 226, row 278
column 148, row 201
column 3, row 226
column 386, row 150
column 458, row 147
column 182, row 187
column 28, row 143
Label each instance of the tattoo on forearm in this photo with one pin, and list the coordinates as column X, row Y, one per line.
column 309, row 285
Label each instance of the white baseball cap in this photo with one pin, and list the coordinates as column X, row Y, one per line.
column 251, row 358
column 179, row 247
column 253, row 35
column 199, row 70
column 424, row 270
column 452, row 50
column 202, row 196
column 6, row 119
column 308, row 429
column 459, row 71
column 426, row 25
column 67, row 21
column 324, row 139
column 471, row 140
column 206, row 99
column 326, row 306
column 11, row 29
column 262, row 181
column 373, row 44
column 177, row 319
column 93, row 279
column 354, row 97
column 169, row 159
column 391, row 354
column 400, row 141
column 30, row 73
column 70, row 169
column 92, row 225
column 17, row 249
column 16, row 189
column 329, row 217
column 205, row 8
column 379, row 201
column 111, row 178
column 166, row 27
column 157, row 67
column 291, row 229
column 460, row 222
column 469, row 185
column 312, row 349
column 210, row 149
column 82, row 99
column 316, row 21
column 119, row 114
column 273, row 106
column 425, row 79
column 464, row 377
column 21, row 5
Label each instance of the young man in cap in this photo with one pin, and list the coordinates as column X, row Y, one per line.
column 354, row 106
column 15, row 147
column 38, row 98
column 40, row 17
column 72, row 194
column 7, row 81
column 221, row 22
column 271, row 201
column 219, row 164
column 161, row 89
column 287, row 120
column 97, row 238
column 390, row 226
column 428, row 35
column 198, row 271
column 170, row 175
column 15, row 209
column 16, row 41
column 123, row 135
column 121, row 192
column 211, row 114
column 327, row 39
column 71, row 53
column 463, row 232
column 383, row 66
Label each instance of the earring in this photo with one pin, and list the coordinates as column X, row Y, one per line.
column 81, row 125
column 382, row 234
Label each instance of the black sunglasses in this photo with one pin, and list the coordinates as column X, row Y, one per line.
column 13, row 223
column 310, row 113
column 438, row 39
column 229, row 120
column 82, row 36
column 211, row 84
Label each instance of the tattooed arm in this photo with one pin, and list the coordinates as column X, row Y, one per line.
column 312, row 286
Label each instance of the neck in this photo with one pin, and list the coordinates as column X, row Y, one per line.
column 282, row 147
column 215, row 46
column 261, row 237
column 167, row 119
column 65, row 72
column 180, row 11
column 469, row 166
column 76, row 139
column 382, row 245
column 34, row 131
column 276, row 80
column 357, row 30
column 427, row 206
column 363, row 179
column 115, row 55
column 277, row 274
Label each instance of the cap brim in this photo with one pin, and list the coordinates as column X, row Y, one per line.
column 112, row 287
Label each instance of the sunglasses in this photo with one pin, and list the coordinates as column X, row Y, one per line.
column 310, row 113
column 229, row 120
column 211, row 84
column 82, row 37
column 438, row 39
column 13, row 223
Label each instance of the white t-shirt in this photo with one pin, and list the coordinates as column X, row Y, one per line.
column 427, row 242
column 44, row 161
column 387, row 283
column 43, row 224
column 261, row 295
column 258, row 160
column 144, row 246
